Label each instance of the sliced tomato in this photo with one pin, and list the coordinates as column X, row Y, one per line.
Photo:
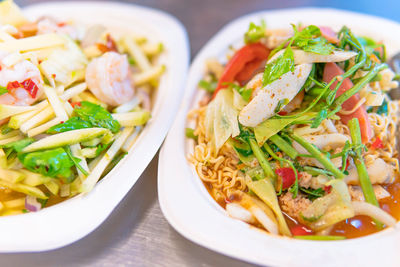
column 288, row 177
column 243, row 64
column 331, row 70
column 329, row 34
column 377, row 143
column 301, row 230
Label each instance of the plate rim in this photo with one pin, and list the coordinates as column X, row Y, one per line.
column 176, row 131
column 165, row 115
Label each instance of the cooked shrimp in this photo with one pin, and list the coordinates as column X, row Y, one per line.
column 22, row 80
column 108, row 78
column 50, row 25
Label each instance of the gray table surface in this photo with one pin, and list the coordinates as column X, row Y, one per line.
column 136, row 233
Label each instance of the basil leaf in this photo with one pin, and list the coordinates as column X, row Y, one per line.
column 53, row 163
column 281, row 65
column 73, row 123
column 97, row 116
column 3, row 90
column 17, row 146
column 75, row 161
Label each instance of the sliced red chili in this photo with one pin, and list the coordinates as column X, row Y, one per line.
column 13, row 85
column 377, row 143
column 74, row 104
column 328, row 189
column 31, row 87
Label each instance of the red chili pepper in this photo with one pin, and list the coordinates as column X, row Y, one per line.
column 13, row 85
column 242, row 65
column 31, row 87
column 288, row 177
column 328, row 189
column 301, row 230
column 377, row 143
column 282, row 113
column 74, row 104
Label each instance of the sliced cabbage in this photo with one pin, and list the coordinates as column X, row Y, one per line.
column 65, row 65
column 272, row 126
column 11, row 14
column 329, row 209
column 266, row 192
column 221, row 119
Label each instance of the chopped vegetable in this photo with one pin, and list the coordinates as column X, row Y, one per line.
column 365, row 182
column 66, row 138
column 221, row 119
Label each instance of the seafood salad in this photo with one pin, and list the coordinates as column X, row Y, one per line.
column 73, row 100
column 296, row 133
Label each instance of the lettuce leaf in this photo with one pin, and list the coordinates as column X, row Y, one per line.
column 272, row 126
column 221, row 119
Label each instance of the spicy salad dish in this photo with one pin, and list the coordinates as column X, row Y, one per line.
column 73, row 100
column 296, row 133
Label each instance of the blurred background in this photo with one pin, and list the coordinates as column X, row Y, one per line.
column 203, row 18
column 136, row 233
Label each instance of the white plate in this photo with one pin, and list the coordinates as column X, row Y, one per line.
column 71, row 220
column 190, row 209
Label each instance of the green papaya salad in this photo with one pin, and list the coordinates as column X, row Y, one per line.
column 73, row 100
column 296, row 133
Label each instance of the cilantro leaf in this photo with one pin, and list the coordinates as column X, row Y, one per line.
column 322, row 115
column 190, row 133
column 310, row 40
column 313, row 194
column 281, row 65
column 208, row 86
column 243, row 91
column 255, row 32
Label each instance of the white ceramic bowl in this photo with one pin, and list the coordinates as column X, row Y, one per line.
column 71, row 220
column 190, row 209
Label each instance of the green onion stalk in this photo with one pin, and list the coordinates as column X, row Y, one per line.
column 259, row 154
column 318, row 155
column 295, row 188
column 363, row 176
